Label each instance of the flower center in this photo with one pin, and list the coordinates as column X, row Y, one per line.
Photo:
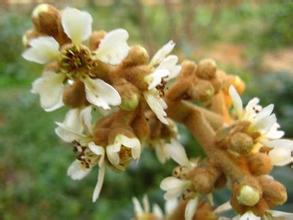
column 84, row 155
column 76, row 61
column 125, row 156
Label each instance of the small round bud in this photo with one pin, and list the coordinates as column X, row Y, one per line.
column 241, row 143
column 248, row 196
column 259, row 164
column 137, row 55
column 46, row 19
column 202, row 91
column 130, row 103
column 206, row 69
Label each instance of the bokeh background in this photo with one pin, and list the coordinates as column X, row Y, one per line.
column 251, row 38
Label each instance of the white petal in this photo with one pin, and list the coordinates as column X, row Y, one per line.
column 76, row 24
column 68, row 135
column 86, row 118
column 223, row 208
column 100, row 182
column 42, row 50
column 250, row 109
column 137, row 207
column 132, row 143
column 274, row 133
column 265, row 112
column 113, row 47
column 284, row 143
column 100, row 93
column 157, row 105
column 191, row 208
column 96, row 149
column 155, row 78
column 170, row 63
column 146, row 204
column 266, row 123
column 161, row 151
column 112, row 154
column 73, row 121
column 173, row 186
column 170, row 206
column 162, row 53
column 177, row 153
column 236, row 99
column 281, row 156
column 77, row 171
column 50, row 88
column 157, row 211
column 249, row 216
column 281, row 215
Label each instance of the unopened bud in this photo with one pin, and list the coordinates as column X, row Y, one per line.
column 241, row 143
column 46, row 19
column 206, row 69
column 95, row 39
column 248, row 196
column 130, row 103
column 203, row 91
column 260, row 164
column 137, row 56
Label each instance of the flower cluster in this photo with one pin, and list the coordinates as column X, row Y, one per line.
column 121, row 100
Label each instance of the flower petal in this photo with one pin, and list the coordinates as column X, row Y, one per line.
column 155, row 78
column 86, row 118
column 98, row 150
column 281, row 156
column 137, row 207
column 170, row 63
column 100, row 93
column 173, row 186
column 157, row 105
column 191, row 208
column 77, row 171
column 100, row 182
column 50, row 88
column 67, row 134
column 42, row 50
column 112, row 154
column 76, row 24
column 249, row 216
column 177, row 153
column 113, row 47
column 162, row 53
column 157, row 211
column 237, row 102
column 146, row 204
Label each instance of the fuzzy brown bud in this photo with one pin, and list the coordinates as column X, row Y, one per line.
column 46, row 19
column 74, row 96
column 206, row 69
column 202, row 91
column 273, row 191
column 241, row 143
column 259, row 164
column 95, row 39
column 137, row 56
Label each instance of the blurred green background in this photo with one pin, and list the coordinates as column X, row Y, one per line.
column 252, row 38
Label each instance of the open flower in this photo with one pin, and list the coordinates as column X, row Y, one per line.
column 178, row 185
column 122, row 150
column 77, row 129
column 164, row 68
column 144, row 212
column 75, row 61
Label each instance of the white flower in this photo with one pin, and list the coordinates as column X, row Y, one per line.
column 261, row 119
column 174, row 187
column 77, row 128
column 143, row 212
column 247, row 216
column 165, row 68
column 78, row 27
column 123, row 142
column 281, row 153
column 191, row 208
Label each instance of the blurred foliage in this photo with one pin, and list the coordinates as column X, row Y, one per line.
column 33, row 163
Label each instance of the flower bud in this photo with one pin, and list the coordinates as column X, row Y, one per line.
column 259, row 164
column 206, row 69
column 74, row 96
column 137, row 55
column 95, row 39
column 248, row 196
column 28, row 36
column 202, row 91
column 241, row 143
column 46, row 19
column 130, row 103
